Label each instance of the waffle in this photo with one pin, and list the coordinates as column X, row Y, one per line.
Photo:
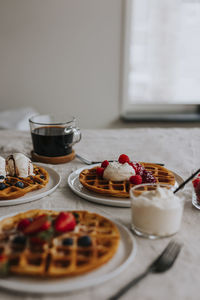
column 53, row 259
column 91, row 181
column 31, row 183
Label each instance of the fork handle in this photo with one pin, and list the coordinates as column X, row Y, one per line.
column 129, row 285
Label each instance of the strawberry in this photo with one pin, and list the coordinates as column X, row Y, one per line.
column 104, row 164
column 65, row 222
column 123, row 158
column 100, row 171
column 23, row 224
column 137, row 179
column 195, row 182
column 39, row 224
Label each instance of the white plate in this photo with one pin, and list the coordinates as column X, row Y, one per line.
column 54, row 181
column 77, row 188
column 124, row 256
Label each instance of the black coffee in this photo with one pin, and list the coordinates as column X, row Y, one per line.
column 52, row 141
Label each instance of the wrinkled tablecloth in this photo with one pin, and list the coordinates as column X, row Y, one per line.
column 178, row 148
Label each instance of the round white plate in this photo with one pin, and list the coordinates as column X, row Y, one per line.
column 54, row 181
column 124, row 256
column 77, row 188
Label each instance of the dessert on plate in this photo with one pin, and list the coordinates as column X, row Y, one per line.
column 48, row 243
column 19, row 176
column 116, row 178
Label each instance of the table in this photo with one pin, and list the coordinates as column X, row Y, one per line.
column 179, row 150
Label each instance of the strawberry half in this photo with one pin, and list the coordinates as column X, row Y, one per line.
column 23, row 224
column 39, row 224
column 65, row 222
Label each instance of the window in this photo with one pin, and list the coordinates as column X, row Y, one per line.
column 161, row 67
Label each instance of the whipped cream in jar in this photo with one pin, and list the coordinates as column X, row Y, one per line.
column 156, row 211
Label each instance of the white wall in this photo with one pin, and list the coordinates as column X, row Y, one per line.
column 62, row 55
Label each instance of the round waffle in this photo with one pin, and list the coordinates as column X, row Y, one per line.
column 91, row 181
column 31, row 183
column 54, row 259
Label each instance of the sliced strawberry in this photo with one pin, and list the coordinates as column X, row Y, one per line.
column 195, row 182
column 123, row 158
column 100, row 171
column 104, row 164
column 137, row 179
column 38, row 224
column 23, row 224
column 65, row 222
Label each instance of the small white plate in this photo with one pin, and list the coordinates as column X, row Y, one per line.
column 54, row 181
column 77, row 188
column 124, row 256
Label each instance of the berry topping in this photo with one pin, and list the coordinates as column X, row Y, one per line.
column 132, row 165
column 196, row 182
column 19, row 184
column 84, row 241
column 123, row 158
column 67, row 242
column 20, row 239
column 100, row 171
column 137, row 179
column 2, row 186
column 104, row 164
column 42, row 176
column 139, row 169
column 148, row 177
column 23, row 224
column 65, row 222
column 2, row 177
column 39, row 224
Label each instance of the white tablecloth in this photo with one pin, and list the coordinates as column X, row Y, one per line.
column 179, row 150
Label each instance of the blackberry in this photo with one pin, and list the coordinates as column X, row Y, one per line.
column 20, row 239
column 2, row 177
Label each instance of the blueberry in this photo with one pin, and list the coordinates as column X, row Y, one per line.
column 84, row 241
column 67, row 242
column 20, row 239
column 19, row 184
column 2, row 186
column 42, row 176
column 2, row 177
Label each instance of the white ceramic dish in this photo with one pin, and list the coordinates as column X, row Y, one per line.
column 77, row 188
column 124, row 256
column 54, row 181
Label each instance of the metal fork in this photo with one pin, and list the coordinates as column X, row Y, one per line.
column 90, row 162
column 164, row 261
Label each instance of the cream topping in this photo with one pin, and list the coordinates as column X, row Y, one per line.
column 118, row 172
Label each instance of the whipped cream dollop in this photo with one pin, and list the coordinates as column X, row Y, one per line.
column 118, row 172
column 2, row 168
column 19, row 165
column 157, row 212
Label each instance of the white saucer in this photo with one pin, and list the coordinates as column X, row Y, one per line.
column 54, row 181
column 124, row 256
column 77, row 188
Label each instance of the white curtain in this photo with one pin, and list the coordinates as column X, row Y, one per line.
column 164, row 52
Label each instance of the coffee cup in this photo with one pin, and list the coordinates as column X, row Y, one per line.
column 54, row 135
